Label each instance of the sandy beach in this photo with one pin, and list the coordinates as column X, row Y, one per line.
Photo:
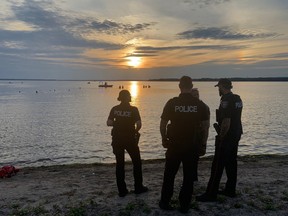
column 91, row 190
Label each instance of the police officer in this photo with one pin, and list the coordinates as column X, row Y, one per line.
column 203, row 136
column 229, row 129
column 125, row 136
column 185, row 113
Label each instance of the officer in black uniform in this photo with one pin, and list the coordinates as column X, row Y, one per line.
column 203, row 136
column 125, row 136
column 229, row 129
column 188, row 116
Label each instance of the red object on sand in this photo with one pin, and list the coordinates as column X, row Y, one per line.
column 8, row 171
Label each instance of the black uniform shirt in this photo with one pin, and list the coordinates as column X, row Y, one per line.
column 231, row 107
column 124, row 116
column 185, row 113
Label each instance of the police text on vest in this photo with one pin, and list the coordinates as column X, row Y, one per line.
column 185, row 108
column 122, row 113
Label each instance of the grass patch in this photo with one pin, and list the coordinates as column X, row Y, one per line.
column 56, row 210
column 270, row 207
column 266, row 200
column 195, row 205
column 221, row 199
column 251, row 203
column 285, row 196
column 77, row 211
column 268, row 203
column 37, row 210
column 238, row 205
column 15, row 206
column 135, row 206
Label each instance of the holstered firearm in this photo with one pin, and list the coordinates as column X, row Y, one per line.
column 167, row 142
column 217, row 128
column 217, row 116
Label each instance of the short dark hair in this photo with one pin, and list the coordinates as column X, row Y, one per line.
column 185, row 82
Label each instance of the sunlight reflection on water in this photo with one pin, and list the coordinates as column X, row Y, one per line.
column 65, row 122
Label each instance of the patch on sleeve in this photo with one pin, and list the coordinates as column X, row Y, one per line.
column 238, row 105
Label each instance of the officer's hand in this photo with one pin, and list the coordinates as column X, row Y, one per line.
column 202, row 150
column 165, row 142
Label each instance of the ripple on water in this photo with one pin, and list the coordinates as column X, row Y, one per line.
column 61, row 126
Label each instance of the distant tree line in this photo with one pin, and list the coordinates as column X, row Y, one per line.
column 239, row 79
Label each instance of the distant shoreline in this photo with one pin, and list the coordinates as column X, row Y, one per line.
column 235, row 79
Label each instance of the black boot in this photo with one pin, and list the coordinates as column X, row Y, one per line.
column 140, row 190
column 206, row 198
column 165, row 206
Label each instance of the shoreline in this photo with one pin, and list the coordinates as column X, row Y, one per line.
column 148, row 161
column 90, row 189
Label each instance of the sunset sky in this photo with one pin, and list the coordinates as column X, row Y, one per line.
column 143, row 39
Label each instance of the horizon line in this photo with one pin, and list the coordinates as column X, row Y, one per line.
column 157, row 79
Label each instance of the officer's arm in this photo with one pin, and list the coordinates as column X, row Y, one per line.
column 205, row 127
column 225, row 125
column 110, row 122
column 110, row 119
column 205, row 132
column 163, row 126
column 138, row 125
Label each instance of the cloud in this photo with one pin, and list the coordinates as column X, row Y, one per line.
column 279, row 55
column 55, row 26
column 197, row 47
column 50, row 28
column 56, row 35
column 101, row 33
column 205, row 3
column 140, row 55
column 276, row 56
column 221, row 34
column 110, row 27
column 150, row 51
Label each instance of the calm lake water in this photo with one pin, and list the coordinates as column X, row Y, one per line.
column 65, row 122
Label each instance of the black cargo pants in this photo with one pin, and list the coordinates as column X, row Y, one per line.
column 119, row 147
column 190, row 164
column 225, row 157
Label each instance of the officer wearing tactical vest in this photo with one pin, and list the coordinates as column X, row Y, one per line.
column 188, row 116
column 229, row 129
column 125, row 136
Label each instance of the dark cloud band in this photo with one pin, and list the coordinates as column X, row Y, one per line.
column 221, row 34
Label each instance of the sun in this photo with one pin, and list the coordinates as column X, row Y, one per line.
column 134, row 61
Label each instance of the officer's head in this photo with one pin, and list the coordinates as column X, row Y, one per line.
column 185, row 83
column 124, row 96
column 224, row 85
